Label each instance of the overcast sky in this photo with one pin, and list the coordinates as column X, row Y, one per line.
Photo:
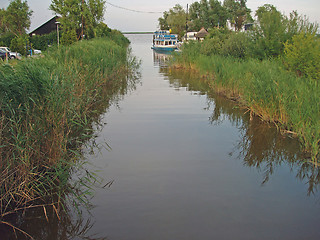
column 125, row 20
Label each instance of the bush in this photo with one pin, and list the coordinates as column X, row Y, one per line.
column 18, row 44
column 237, row 45
column 68, row 37
column 44, row 41
column 211, row 46
column 302, row 55
column 5, row 39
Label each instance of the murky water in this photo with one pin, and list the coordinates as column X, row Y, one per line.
column 188, row 164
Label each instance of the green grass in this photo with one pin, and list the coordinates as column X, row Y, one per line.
column 48, row 107
column 267, row 89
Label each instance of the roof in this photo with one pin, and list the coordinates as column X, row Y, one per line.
column 45, row 28
column 202, row 33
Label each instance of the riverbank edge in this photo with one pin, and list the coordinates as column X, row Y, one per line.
column 207, row 70
column 49, row 108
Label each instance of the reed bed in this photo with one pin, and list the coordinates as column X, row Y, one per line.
column 48, row 107
column 267, row 89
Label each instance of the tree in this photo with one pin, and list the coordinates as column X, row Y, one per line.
column 271, row 30
column 238, row 12
column 2, row 21
column 16, row 18
column 207, row 14
column 78, row 17
column 175, row 20
column 163, row 24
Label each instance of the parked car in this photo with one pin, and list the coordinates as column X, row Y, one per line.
column 12, row 54
column 3, row 54
column 36, row 51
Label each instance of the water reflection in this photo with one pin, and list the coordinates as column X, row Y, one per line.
column 160, row 58
column 66, row 214
column 260, row 145
column 65, row 227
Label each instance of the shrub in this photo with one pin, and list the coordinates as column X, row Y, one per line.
column 44, row 41
column 237, row 45
column 302, row 55
column 68, row 37
column 6, row 38
column 18, row 44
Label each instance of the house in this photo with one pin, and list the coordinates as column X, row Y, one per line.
column 190, row 36
column 201, row 34
column 46, row 28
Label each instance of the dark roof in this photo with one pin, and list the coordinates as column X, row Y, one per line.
column 202, row 33
column 46, row 28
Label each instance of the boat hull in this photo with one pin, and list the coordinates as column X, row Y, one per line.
column 164, row 48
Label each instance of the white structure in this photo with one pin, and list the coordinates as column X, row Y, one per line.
column 190, row 36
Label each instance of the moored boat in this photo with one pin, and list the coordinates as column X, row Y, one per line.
column 163, row 40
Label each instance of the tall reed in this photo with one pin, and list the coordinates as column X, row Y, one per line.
column 267, row 89
column 48, row 106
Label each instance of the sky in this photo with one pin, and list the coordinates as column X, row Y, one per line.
column 129, row 21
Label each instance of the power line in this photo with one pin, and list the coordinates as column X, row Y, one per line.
column 131, row 10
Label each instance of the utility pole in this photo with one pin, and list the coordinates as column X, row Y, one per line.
column 58, row 41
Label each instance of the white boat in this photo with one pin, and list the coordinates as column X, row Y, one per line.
column 163, row 40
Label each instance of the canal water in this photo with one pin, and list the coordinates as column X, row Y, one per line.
column 187, row 164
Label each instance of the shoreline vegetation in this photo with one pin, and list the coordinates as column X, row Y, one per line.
column 49, row 107
column 265, row 87
column 269, row 62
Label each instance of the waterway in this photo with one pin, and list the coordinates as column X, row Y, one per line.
column 188, row 164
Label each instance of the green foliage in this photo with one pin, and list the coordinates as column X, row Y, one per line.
column 68, row 37
column 237, row 45
column 302, row 55
column 238, row 12
column 207, row 14
column 270, row 31
column 2, row 21
column 266, row 40
column 5, row 39
column 273, row 29
column 16, row 18
column 214, row 42
column 18, row 44
column 163, row 24
column 118, row 38
column 174, row 19
column 102, row 30
column 48, row 108
column 79, row 16
column 43, row 42
column 227, row 43
column 266, row 88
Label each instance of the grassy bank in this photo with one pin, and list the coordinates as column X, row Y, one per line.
column 48, row 107
column 266, row 88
